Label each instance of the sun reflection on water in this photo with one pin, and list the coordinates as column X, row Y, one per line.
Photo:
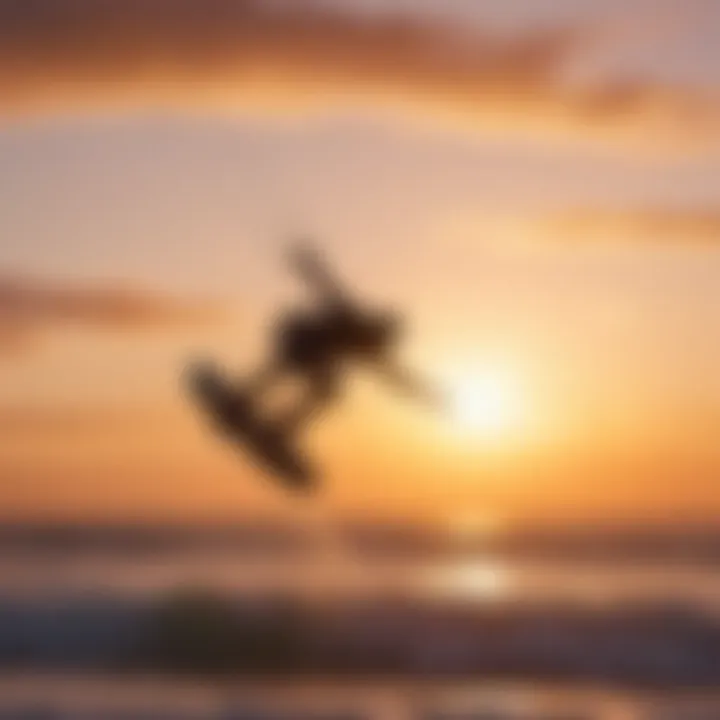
column 479, row 579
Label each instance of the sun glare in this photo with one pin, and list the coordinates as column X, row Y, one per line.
column 486, row 403
column 475, row 580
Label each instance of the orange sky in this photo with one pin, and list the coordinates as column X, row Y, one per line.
column 543, row 202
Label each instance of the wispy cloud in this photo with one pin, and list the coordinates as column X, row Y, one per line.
column 644, row 224
column 28, row 307
column 242, row 53
column 40, row 422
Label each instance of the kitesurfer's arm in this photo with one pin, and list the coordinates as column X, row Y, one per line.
column 410, row 384
column 308, row 263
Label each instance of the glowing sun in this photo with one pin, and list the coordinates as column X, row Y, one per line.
column 486, row 403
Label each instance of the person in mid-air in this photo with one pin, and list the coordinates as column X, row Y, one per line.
column 319, row 345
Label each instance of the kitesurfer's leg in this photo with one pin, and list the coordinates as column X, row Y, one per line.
column 263, row 380
column 322, row 389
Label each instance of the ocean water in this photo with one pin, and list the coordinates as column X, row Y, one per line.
column 478, row 578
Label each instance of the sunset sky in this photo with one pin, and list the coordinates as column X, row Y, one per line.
column 535, row 182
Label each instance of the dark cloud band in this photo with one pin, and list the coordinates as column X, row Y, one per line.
column 240, row 53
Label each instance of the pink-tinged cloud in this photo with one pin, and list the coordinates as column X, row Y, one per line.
column 290, row 55
column 28, row 307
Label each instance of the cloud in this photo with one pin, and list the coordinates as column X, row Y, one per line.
column 29, row 307
column 41, row 422
column 648, row 224
column 257, row 54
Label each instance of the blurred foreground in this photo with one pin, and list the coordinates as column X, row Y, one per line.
column 258, row 622
column 63, row 698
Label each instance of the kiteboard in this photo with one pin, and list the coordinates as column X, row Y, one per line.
column 232, row 416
